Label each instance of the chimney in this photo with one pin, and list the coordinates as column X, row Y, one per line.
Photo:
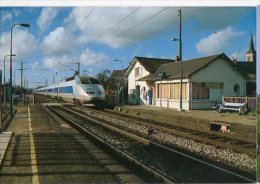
column 177, row 59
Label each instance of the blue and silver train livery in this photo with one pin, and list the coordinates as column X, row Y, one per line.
column 76, row 89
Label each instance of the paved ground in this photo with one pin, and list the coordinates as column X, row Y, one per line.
column 5, row 138
column 166, row 114
column 46, row 150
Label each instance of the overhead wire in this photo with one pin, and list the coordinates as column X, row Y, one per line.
column 145, row 20
column 84, row 18
column 117, row 23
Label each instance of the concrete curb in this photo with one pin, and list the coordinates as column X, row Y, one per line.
column 5, row 138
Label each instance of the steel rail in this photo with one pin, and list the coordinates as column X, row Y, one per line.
column 158, row 145
column 248, row 140
column 121, row 153
column 192, row 135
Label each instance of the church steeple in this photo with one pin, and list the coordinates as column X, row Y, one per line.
column 251, row 53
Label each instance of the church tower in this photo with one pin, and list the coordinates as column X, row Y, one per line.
column 251, row 53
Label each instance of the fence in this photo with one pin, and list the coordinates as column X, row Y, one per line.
column 250, row 101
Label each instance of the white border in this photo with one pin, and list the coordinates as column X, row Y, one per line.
column 233, row 3
column 258, row 49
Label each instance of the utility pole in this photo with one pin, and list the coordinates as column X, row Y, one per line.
column 180, row 56
column 22, row 81
column 21, row 75
column 24, row 88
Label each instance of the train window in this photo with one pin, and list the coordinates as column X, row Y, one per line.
column 84, row 80
column 67, row 89
column 88, row 80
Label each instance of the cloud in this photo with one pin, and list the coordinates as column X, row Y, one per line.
column 100, row 26
column 90, row 58
column 53, row 61
column 6, row 15
column 24, row 43
column 218, row 42
column 46, row 17
column 58, row 42
column 16, row 12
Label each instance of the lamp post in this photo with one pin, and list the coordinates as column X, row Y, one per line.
column 4, row 77
column 122, row 79
column 180, row 56
column 214, row 45
column 10, row 83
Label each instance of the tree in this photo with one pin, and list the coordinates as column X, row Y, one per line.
column 103, row 76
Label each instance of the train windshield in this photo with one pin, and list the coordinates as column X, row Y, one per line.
column 94, row 81
column 88, row 80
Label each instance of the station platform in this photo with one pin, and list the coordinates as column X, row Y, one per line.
column 45, row 149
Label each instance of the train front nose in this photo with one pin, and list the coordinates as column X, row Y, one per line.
column 94, row 93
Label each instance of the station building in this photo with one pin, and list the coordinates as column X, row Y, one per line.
column 154, row 81
column 205, row 81
column 140, row 92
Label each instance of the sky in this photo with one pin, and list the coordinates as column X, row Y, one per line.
column 97, row 36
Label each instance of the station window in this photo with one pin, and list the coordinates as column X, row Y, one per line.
column 200, row 90
column 172, row 91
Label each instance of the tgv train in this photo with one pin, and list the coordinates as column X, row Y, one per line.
column 76, row 89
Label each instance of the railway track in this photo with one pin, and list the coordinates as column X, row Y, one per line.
column 227, row 141
column 164, row 163
column 115, row 119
